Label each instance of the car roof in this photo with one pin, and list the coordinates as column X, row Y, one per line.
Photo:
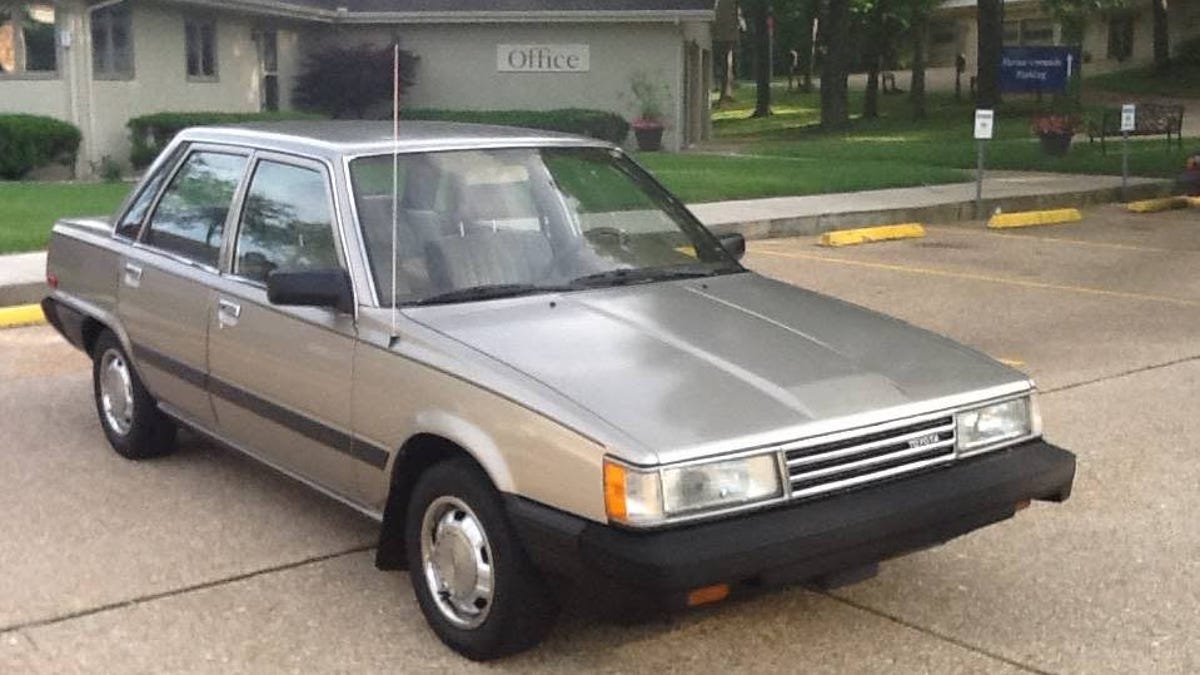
column 338, row 137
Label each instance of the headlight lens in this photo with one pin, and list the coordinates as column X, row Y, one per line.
column 997, row 423
column 647, row 497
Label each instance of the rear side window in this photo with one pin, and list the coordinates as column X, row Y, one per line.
column 131, row 222
column 190, row 218
column 287, row 223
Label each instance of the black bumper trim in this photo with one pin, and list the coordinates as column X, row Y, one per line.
column 802, row 540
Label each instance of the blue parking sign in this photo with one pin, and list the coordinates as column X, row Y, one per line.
column 1034, row 69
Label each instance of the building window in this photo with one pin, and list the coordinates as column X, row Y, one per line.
column 267, row 42
column 28, row 39
column 1037, row 32
column 112, row 42
column 1012, row 32
column 201, row 48
column 1120, row 37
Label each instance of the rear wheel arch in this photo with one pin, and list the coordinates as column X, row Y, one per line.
column 416, row 456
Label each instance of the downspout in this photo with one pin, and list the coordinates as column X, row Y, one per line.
column 84, row 60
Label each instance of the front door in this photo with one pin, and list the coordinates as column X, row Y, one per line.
column 165, row 295
column 281, row 376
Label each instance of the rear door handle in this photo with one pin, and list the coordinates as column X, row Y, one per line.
column 228, row 313
column 133, row 275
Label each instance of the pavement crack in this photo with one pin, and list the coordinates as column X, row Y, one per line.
column 939, row 636
column 20, row 628
column 1119, row 375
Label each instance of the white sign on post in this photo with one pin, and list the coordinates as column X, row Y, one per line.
column 984, row 124
column 1128, row 117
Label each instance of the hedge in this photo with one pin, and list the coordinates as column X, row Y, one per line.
column 31, row 141
column 151, row 133
column 606, row 126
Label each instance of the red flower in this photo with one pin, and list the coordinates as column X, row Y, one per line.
column 1055, row 124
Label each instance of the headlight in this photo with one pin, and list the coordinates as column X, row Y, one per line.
column 652, row 496
column 997, row 423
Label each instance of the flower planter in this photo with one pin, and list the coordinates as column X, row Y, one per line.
column 649, row 136
column 1056, row 144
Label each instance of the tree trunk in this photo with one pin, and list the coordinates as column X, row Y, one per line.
column 811, row 57
column 762, row 56
column 835, row 67
column 873, row 52
column 917, row 87
column 728, row 76
column 1162, row 39
column 991, row 40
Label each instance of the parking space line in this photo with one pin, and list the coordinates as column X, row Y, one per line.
column 929, row 271
column 1032, row 236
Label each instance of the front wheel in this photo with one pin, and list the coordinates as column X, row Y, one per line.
column 473, row 580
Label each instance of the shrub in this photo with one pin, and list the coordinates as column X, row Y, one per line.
column 31, row 141
column 346, row 82
column 151, row 133
column 600, row 124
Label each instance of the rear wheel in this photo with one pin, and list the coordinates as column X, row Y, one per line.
column 475, row 584
column 134, row 425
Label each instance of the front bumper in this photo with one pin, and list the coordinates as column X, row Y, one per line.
column 800, row 541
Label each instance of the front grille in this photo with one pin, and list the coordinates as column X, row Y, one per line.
column 874, row 455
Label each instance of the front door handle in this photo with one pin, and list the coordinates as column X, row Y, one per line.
column 228, row 313
column 133, row 275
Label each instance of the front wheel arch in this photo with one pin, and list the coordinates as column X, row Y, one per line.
column 416, row 456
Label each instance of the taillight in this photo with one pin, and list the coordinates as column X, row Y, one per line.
column 52, row 281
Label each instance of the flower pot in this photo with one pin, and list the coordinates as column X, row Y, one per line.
column 649, row 136
column 1056, row 144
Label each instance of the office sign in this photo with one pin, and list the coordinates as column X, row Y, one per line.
column 1032, row 69
column 1128, row 117
column 985, row 124
column 543, row 58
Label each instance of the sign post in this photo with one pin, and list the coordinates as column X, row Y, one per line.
column 1128, row 125
column 985, row 122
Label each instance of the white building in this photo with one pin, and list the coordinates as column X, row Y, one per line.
column 98, row 64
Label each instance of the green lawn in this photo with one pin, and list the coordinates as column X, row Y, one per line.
column 1180, row 81
column 30, row 209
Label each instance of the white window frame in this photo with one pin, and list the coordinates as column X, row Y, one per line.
column 112, row 74
column 198, row 21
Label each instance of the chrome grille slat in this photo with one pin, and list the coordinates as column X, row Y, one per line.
column 850, row 460
column 857, row 449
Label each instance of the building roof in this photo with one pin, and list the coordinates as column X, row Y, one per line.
column 475, row 11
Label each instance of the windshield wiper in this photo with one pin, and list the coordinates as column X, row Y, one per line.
column 487, row 292
column 623, row 276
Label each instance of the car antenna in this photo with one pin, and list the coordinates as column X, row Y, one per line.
column 395, row 171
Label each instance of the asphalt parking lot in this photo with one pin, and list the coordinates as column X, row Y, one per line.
column 206, row 562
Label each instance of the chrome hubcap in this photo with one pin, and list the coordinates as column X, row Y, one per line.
column 457, row 561
column 116, row 392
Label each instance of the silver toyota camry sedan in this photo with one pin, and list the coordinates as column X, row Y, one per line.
column 529, row 362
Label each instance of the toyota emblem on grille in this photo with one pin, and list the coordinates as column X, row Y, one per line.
column 928, row 439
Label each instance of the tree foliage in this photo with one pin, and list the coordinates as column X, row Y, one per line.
column 346, row 81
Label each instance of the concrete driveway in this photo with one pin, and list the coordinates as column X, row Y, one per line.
column 206, row 562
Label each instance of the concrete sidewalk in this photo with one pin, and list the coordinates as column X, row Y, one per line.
column 22, row 276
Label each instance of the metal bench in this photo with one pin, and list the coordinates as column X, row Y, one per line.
column 1152, row 119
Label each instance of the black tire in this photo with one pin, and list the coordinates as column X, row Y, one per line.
column 522, row 607
column 150, row 433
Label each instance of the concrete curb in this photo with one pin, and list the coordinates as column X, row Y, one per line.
column 1030, row 218
column 21, row 294
column 946, row 213
column 21, row 315
column 867, row 235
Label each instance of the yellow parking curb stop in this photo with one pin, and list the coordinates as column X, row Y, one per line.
column 1156, row 205
column 1028, row 218
column 866, row 235
column 21, row 315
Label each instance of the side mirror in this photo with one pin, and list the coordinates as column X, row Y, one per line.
column 734, row 243
column 321, row 288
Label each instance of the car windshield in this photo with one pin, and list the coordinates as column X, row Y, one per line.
column 480, row 224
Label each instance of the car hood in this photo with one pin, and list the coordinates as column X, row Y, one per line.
column 692, row 368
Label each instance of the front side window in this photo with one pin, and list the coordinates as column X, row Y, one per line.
column 28, row 43
column 112, row 42
column 190, row 218
column 473, row 225
column 201, row 47
column 287, row 223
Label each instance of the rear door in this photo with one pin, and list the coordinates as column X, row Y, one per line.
column 281, row 376
column 165, row 297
